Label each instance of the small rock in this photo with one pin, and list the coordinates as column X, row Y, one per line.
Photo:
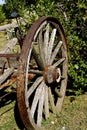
column 64, row 128
column 52, row 122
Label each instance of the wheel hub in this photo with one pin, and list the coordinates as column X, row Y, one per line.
column 52, row 74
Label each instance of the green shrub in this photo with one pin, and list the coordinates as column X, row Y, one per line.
column 73, row 17
column 2, row 15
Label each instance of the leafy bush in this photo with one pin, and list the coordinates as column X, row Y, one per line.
column 73, row 17
column 2, row 15
column 77, row 35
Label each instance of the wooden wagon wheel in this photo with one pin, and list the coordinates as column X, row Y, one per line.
column 42, row 74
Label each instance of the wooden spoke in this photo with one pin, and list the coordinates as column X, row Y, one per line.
column 41, row 47
column 46, row 103
column 52, row 38
column 51, row 100
column 58, row 93
column 39, row 29
column 46, row 42
column 6, row 74
column 55, row 52
column 59, row 62
column 36, row 98
column 38, row 59
column 34, row 86
column 40, row 106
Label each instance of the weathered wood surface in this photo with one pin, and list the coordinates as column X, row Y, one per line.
column 9, row 82
column 7, row 50
column 10, row 62
column 34, row 86
column 4, row 27
column 51, row 100
column 40, row 106
column 9, row 46
column 36, row 99
column 46, row 103
column 6, row 74
column 56, row 50
column 4, row 62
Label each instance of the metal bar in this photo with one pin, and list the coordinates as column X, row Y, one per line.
column 5, row 95
column 10, row 55
column 36, row 71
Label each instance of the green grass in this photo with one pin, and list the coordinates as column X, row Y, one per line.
column 73, row 115
column 7, row 119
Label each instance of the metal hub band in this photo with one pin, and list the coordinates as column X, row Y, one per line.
column 52, row 74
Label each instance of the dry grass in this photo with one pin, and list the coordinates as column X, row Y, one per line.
column 3, row 39
column 73, row 115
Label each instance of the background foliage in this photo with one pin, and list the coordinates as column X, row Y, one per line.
column 73, row 17
column 2, row 15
